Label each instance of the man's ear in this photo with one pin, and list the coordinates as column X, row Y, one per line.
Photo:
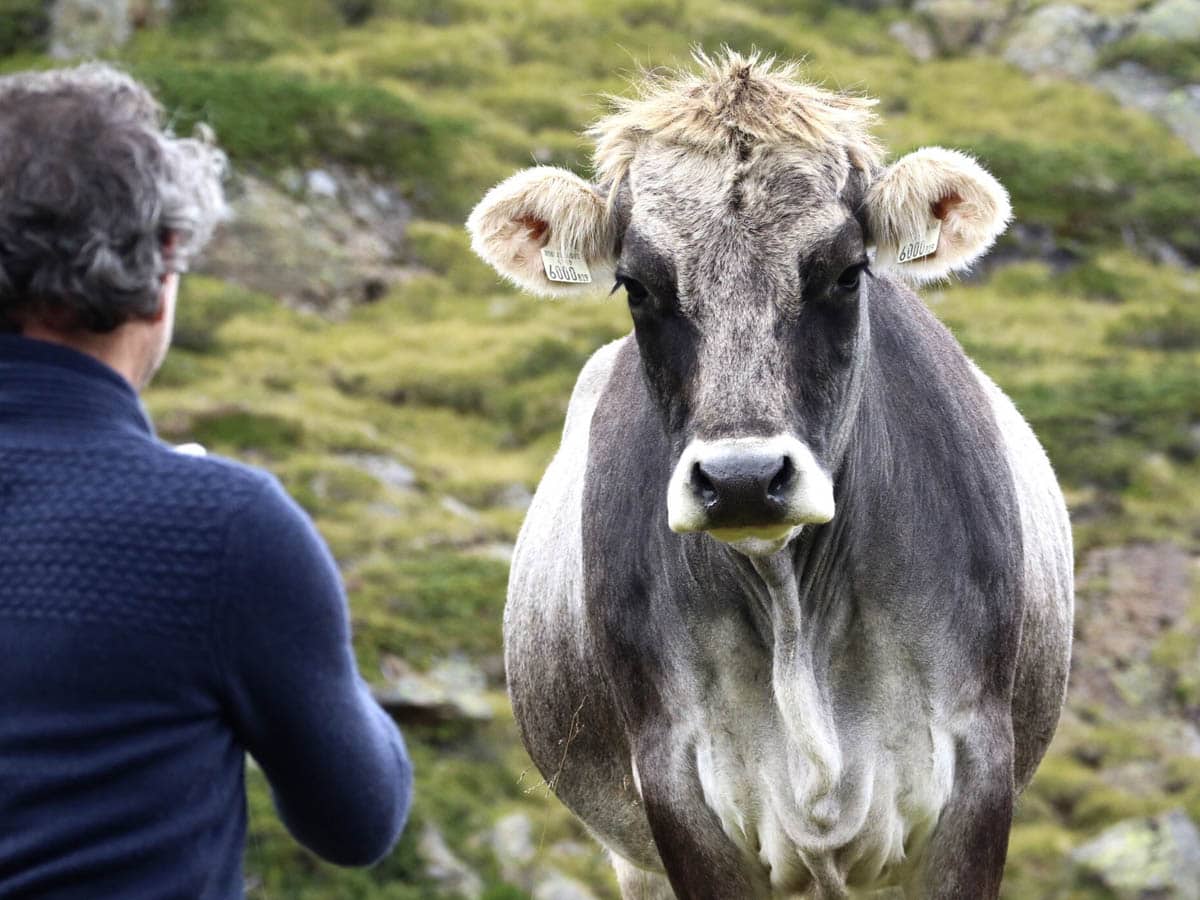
column 168, row 282
column 545, row 209
column 933, row 212
column 168, row 294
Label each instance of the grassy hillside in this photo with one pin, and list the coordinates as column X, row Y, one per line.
column 457, row 377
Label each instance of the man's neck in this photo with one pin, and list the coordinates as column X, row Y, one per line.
column 118, row 349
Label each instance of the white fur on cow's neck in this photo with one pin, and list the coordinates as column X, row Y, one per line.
column 816, row 800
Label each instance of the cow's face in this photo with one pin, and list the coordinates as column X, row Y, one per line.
column 748, row 274
column 746, row 296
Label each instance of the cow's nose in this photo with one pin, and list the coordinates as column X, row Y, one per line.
column 748, row 489
column 743, row 486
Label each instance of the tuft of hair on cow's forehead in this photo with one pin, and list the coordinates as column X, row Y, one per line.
column 733, row 103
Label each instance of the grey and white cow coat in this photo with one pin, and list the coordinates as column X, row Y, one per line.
column 791, row 611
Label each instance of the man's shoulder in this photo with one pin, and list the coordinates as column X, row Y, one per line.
column 216, row 483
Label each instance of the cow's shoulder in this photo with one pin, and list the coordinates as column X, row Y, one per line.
column 589, row 387
column 549, row 547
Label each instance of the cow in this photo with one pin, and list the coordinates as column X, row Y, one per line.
column 790, row 613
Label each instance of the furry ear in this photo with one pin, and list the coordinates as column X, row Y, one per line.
column 933, row 212
column 544, row 208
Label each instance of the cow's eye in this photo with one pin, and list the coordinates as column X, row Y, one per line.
column 634, row 290
column 851, row 276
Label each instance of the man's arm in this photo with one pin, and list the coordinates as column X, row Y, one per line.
column 336, row 762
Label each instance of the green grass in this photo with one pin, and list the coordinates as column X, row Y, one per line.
column 275, row 119
column 1105, row 372
column 1090, row 194
column 1178, row 60
column 23, row 25
column 1177, row 328
column 449, row 97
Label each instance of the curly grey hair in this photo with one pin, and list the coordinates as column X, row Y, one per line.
column 97, row 200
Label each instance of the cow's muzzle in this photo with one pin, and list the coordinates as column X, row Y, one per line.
column 748, row 489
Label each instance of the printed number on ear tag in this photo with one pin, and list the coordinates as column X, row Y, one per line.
column 565, row 267
column 922, row 246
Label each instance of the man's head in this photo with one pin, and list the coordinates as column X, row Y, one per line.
column 100, row 211
column 739, row 207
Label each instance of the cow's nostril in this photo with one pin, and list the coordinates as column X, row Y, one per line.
column 702, row 484
column 782, row 482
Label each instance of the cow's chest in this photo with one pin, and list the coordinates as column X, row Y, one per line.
column 827, row 785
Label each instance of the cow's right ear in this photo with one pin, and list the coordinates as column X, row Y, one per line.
column 545, row 209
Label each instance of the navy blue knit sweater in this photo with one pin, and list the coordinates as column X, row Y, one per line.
column 160, row 615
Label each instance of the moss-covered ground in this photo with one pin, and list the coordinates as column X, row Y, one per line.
column 459, row 378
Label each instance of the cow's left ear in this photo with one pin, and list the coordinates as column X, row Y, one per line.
column 546, row 230
column 933, row 212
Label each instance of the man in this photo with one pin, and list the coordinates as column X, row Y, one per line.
column 160, row 614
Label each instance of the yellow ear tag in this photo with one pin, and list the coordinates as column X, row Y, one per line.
column 921, row 246
column 568, row 268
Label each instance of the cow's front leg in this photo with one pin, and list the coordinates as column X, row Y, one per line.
column 700, row 860
column 965, row 860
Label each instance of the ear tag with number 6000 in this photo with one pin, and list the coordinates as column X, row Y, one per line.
column 921, row 246
column 569, row 268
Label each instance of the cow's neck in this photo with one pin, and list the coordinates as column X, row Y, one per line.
column 804, row 633
column 805, row 612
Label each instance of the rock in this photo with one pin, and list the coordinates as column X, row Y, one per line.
column 513, row 496
column 958, row 26
column 387, row 470
column 456, row 507
column 1127, row 599
column 321, row 184
column 512, row 845
column 451, row 873
column 1144, row 858
column 1065, row 40
column 523, row 861
column 1165, row 253
column 1024, row 241
column 557, row 886
column 1136, row 86
column 1060, row 39
column 1180, row 109
column 915, row 38
column 1171, row 20
column 336, row 245
column 88, row 27
column 454, row 690
column 497, row 550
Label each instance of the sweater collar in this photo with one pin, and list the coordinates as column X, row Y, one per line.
column 48, row 388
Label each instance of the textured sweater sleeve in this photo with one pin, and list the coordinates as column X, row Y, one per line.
column 336, row 762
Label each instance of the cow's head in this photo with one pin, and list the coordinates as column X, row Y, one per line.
column 747, row 217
